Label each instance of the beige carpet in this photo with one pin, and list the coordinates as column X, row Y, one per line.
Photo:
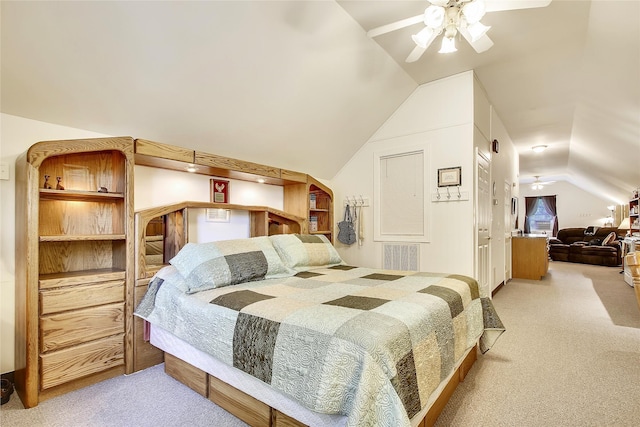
column 570, row 357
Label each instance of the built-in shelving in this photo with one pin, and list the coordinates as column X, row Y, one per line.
column 73, row 311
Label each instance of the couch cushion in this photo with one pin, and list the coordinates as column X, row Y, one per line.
column 571, row 235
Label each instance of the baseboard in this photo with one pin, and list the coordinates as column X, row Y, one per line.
column 495, row 291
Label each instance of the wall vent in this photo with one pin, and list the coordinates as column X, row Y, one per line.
column 400, row 256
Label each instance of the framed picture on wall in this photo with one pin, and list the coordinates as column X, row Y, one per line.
column 219, row 190
column 450, row 177
column 217, row 215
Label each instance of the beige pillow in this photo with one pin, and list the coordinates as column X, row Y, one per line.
column 611, row 237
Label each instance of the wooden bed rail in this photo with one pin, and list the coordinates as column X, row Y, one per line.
column 259, row 414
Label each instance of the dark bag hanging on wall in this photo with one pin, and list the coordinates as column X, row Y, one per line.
column 346, row 230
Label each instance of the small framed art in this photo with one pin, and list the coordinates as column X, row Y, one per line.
column 219, row 191
column 450, row 177
column 217, row 215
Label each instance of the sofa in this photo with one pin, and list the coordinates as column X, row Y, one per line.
column 591, row 245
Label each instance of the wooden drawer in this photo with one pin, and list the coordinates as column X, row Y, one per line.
column 75, row 297
column 85, row 359
column 76, row 327
column 240, row 404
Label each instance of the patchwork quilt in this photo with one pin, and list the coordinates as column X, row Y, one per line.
column 369, row 344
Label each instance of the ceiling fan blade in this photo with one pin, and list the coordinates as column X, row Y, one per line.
column 484, row 43
column 395, row 25
column 499, row 5
column 415, row 54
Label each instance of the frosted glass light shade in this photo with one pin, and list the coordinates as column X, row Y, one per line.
column 448, row 45
column 477, row 30
column 539, row 148
column 434, row 16
column 424, row 37
column 473, row 11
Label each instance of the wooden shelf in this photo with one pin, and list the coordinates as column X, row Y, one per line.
column 73, row 257
column 85, row 196
column 53, row 280
column 82, row 237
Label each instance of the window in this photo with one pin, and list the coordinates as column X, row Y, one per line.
column 541, row 216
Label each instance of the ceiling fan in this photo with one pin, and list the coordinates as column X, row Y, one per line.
column 453, row 16
column 538, row 185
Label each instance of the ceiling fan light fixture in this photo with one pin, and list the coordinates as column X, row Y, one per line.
column 434, row 16
column 474, row 11
column 539, row 148
column 424, row 37
column 448, row 45
column 477, row 30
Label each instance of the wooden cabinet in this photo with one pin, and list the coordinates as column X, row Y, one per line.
column 530, row 257
column 634, row 215
column 298, row 201
column 74, row 243
column 78, row 272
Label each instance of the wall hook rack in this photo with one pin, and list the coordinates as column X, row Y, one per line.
column 356, row 201
column 450, row 197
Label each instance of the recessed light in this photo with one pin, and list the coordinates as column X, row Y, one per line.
column 261, row 180
column 539, row 148
column 191, row 168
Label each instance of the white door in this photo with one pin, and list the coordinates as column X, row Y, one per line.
column 483, row 223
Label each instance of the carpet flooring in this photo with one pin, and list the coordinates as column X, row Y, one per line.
column 570, row 357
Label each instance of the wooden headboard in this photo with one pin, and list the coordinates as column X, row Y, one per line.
column 160, row 232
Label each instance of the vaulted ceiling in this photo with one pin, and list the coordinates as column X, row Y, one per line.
column 299, row 85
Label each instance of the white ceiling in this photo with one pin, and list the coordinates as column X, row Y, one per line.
column 299, row 85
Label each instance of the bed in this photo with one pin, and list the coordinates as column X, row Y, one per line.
column 283, row 322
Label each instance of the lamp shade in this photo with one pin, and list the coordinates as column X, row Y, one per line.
column 424, row 37
column 434, row 16
column 448, row 45
column 625, row 224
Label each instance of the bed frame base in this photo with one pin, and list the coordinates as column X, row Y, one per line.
column 258, row 414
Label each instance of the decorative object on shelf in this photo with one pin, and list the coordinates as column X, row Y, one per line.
column 312, row 201
column 448, row 17
column 46, row 184
column 313, row 224
column 219, row 191
column 59, row 185
column 450, row 177
column 103, row 190
column 346, row 229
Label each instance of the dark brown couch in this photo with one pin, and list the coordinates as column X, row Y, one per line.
column 573, row 245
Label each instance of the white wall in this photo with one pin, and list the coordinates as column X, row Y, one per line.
column 438, row 115
column 576, row 207
column 17, row 134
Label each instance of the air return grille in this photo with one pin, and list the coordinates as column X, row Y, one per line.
column 398, row 256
